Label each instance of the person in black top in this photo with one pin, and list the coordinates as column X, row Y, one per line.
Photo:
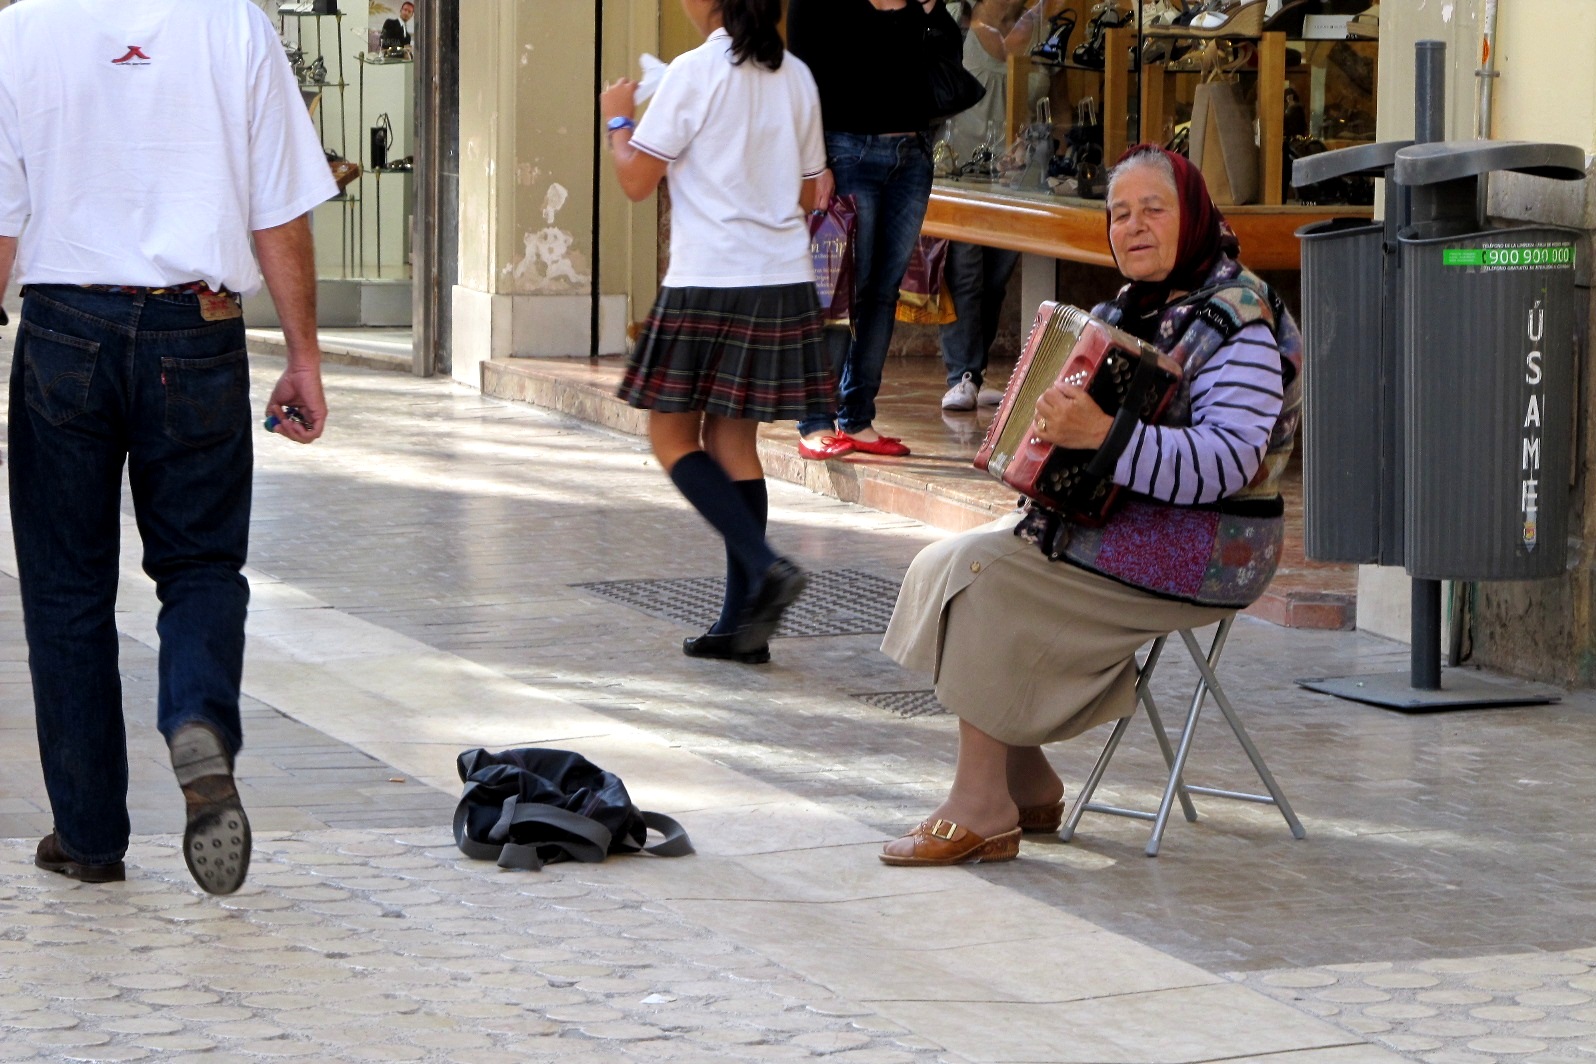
column 870, row 59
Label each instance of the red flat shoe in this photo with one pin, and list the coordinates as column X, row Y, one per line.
column 830, row 447
column 889, row 446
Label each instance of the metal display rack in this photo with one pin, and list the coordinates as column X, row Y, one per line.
column 309, row 31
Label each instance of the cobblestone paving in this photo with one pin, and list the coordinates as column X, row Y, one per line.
column 1539, row 1008
column 389, row 946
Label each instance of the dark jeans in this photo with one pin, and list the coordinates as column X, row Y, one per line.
column 99, row 377
column 978, row 278
column 890, row 179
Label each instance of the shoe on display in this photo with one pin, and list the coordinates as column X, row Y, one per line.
column 962, row 396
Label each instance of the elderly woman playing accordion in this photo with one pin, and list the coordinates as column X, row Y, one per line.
column 1031, row 625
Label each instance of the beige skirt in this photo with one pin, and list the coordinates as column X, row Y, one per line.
column 1028, row 650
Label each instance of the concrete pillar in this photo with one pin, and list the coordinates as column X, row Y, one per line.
column 527, row 134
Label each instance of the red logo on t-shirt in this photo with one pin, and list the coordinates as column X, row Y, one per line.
column 135, row 55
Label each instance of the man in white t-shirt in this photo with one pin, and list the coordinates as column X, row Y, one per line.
column 143, row 148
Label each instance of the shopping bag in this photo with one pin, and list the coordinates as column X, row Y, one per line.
column 923, row 298
column 831, row 234
column 1222, row 144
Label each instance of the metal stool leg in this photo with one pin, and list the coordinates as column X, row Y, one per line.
column 1175, row 786
column 1157, row 721
column 1276, row 796
column 1199, row 696
column 1144, row 697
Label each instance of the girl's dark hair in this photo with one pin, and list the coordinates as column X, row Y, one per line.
column 752, row 25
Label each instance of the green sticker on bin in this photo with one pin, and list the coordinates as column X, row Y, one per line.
column 1526, row 255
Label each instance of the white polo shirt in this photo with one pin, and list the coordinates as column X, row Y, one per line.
column 142, row 142
column 740, row 141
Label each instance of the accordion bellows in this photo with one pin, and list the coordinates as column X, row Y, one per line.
column 1066, row 345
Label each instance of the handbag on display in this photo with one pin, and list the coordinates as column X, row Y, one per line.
column 1222, row 142
column 831, row 233
column 532, row 806
column 951, row 88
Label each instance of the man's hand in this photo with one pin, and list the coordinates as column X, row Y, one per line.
column 299, row 387
column 1067, row 417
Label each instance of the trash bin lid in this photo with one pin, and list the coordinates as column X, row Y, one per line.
column 1370, row 160
column 1453, row 160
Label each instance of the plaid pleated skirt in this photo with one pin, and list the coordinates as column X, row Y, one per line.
column 757, row 353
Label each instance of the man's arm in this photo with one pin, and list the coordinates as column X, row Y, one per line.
column 288, row 262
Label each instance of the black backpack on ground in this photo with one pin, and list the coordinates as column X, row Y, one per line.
column 532, row 806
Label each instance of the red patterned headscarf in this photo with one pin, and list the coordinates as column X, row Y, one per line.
column 1204, row 234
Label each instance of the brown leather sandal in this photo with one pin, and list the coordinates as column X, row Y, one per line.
column 942, row 842
column 1041, row 819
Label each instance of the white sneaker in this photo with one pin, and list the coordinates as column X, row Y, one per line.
column 961, row 396
column 990, row 397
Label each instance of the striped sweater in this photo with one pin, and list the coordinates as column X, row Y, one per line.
column 1236, row 398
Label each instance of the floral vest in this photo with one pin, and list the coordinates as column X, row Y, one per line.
column 1216, row 554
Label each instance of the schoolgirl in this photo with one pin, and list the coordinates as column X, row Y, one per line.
column 735, row 337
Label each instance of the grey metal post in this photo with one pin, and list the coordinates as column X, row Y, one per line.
column 1429, row 125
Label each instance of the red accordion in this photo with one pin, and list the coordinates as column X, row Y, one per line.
column 1130, row 380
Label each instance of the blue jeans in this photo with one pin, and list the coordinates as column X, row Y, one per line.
column 978, row 278
column 98, row 378
column 889, row 178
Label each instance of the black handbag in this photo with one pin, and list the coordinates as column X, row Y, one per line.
column 951, row 88
column 529, row 807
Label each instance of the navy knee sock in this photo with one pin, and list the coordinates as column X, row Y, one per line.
column 757, row 499
column 705, row 484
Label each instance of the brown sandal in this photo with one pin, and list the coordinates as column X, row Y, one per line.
column 942, row 842
column 1041, row 819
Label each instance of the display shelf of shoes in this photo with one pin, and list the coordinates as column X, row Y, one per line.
column 1168, row 90
column 1071, row 228
column 384, row 262
column 310, row 29
column 1112, row 85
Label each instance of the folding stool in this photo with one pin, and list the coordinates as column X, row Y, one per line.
column 1176, row 787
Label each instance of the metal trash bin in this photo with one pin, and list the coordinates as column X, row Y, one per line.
column 1490, row 402
column 1489, row 318
column 1351, row 423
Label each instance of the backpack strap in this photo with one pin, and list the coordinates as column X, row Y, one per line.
column 675, row 842
column 589, row 841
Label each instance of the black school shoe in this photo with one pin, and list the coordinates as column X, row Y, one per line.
column 217, row 841
column 782, row 585
column 718, row 645
column 50, row 857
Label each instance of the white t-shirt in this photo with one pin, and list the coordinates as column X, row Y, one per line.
column 141, row 143
column 740, row 141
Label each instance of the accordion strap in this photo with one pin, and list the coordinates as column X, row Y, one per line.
column 1126, row 419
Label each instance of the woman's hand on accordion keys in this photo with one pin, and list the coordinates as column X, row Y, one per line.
column 1067, row 417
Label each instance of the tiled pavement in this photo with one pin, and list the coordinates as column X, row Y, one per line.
column 417, row 593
